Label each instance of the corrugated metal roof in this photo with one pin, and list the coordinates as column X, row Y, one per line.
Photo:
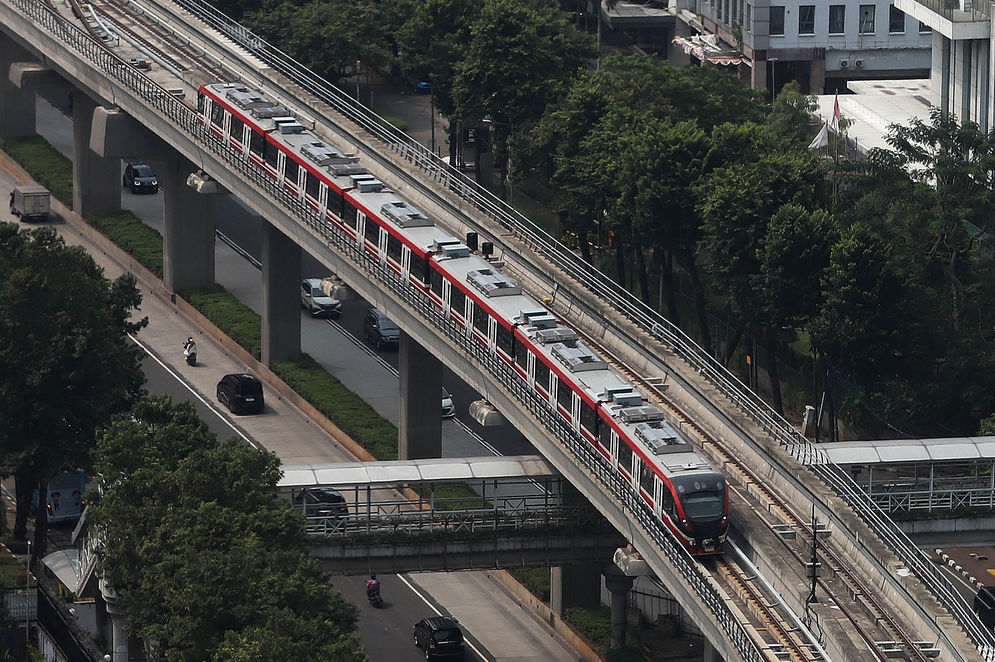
column 411, row 471
column 891, row 451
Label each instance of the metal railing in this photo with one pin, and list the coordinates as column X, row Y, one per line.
column 547, row 248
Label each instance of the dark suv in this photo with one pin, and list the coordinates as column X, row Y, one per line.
column 241, row 393
column 439, row 637
column 380, row 329
column 140, row 178
column 321, row 503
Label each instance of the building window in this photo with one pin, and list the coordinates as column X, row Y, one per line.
column 749, row 18
column 866, row 19
column 777, row 20
column 806, row 19
column 837, row 19
column 924, row 29
column 896, row 20
column 726, row 13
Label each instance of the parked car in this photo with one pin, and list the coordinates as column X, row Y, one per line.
column 140, row 178
column 322, row 503
column 984, row 605
column 314, row 299
column 242, row 393
column 380, row 329
column 439, row 637
column 448, row 407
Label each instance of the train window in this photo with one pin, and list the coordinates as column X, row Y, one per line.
column 335, row 202
column 217, row 115
column 646, row 478
column 372, row 231
column 348, row 214
column 506, row 340
column 542, row 374
column 201, row 101
column 436, row 279
column 457, row 301
column 605, row 436
column 563, row 394
column 588, row 417
column 703, row 505
column 668, row 499
column 270, row 153
column 393, row 248
column 256, row 144
column 236, row 128
column 311, row 185
column 419, row 269
column 624, row 456
column 522, row 358
column 480, row 318
column 290, row 169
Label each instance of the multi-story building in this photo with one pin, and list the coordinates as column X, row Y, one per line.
column 821, row 45
column 961, row 76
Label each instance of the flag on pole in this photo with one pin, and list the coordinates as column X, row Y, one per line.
column 822, row 139
column 835, row 123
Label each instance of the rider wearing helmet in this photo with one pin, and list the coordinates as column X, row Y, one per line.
column 372, row 586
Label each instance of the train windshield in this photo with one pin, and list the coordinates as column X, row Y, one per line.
column 703, row 505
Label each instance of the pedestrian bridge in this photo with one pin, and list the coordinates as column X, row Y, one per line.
column 921, row 476
column 448, row 514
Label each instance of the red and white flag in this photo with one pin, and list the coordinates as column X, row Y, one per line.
column 834, row 124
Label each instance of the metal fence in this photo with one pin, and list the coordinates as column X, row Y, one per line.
column 546, row 248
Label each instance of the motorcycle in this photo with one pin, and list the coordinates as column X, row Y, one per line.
column 373, row 595
column 190, row 352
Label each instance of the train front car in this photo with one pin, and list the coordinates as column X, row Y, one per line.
column 702, row 511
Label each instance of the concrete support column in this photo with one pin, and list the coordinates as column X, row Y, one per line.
column 574, row 585
column 817, row 77
column 420, row 421
column 17, row 106
column 281, row 333
column 96, row 179
column 188, row 228
column 945, row 76
column 118, row 618
column 711, row 653
column 618, row 587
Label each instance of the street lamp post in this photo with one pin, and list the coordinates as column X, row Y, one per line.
column 357, row 81
column 506, row 180
column 773, row 79
column 24, row 603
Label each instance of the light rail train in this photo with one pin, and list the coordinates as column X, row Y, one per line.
column 632, row 437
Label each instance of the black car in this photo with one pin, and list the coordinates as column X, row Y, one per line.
column 380, row 329
column 241, row 393
column 321, row 503
column 140, row 178
column 439, row 637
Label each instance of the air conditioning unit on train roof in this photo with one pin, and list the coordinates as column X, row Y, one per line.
column 492, row 283
column 628, row 399
column 369, row 186
column 346, row 168
column 577, row 357
column 246, row 98
column 441, row 242
column 609, row 392
column 640, row 413
column 268, row 112
column 558, row 334
column 525, row 316
column 662, row 438
column 287, row 125
column 405, row 215
column 323, row 153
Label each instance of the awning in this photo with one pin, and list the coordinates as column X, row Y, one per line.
column 707, row 50
column 65, row 565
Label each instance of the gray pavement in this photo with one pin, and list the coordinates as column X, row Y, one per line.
column 284, row 429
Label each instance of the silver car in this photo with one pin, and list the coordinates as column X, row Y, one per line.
column 314, row 299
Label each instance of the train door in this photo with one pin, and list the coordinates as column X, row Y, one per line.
column 382, row 246
column 491, row 334
column 301, row 182
column 322, row 199
column 530, row 367
column 406, row 261
column 226, row 125
column 360, row 229
column 613, row 448
column 281, row 163
column 447, row 293
column 574, row 411
column 657, row 495
column 468, row 316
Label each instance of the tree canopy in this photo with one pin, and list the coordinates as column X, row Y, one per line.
column 66, row 364
column 209, row 565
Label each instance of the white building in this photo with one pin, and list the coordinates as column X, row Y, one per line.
column 961, row 75
column 822, row 44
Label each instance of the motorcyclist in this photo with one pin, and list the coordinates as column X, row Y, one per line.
column 372, row 586
column 190, row 350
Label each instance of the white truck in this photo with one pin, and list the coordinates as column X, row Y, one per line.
column 30, row 203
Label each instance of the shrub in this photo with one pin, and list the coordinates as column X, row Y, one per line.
column 534, row 579
column 401, row 124
column 44, row 163
column 238, row 321
column 127, row 231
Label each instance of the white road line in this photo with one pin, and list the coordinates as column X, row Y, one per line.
column 435, row 609
column 197, row 395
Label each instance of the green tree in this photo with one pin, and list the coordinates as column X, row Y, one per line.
column 207, row 562
column 791, row 115
column 66, row 364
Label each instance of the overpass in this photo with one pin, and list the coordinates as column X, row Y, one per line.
column 449, row 514
column 762, row 454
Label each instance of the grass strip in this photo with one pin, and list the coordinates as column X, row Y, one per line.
column 44, row 163
column 238, row 321
column 130, row 234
